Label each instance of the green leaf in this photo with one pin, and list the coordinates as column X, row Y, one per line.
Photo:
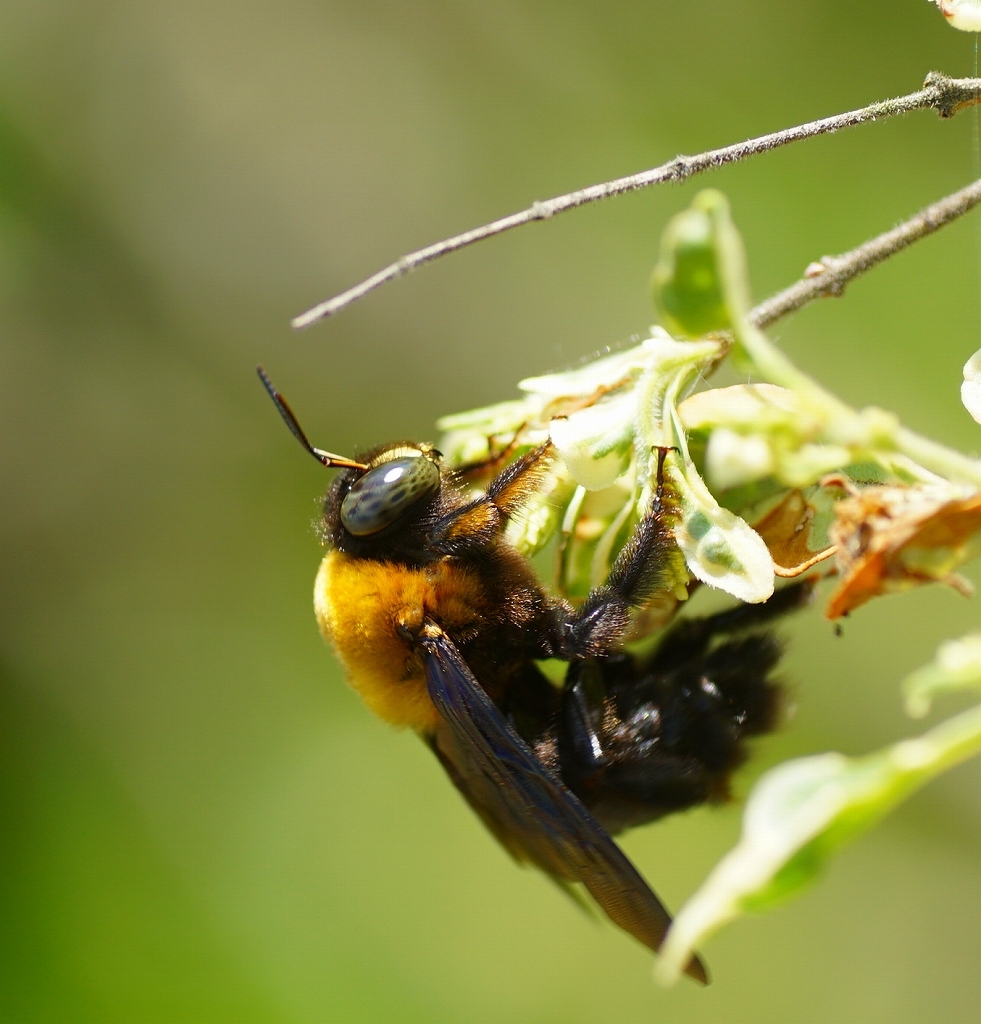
column 803, row 811
column 957, row 666
column 699, row 283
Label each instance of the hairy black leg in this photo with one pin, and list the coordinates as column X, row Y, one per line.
column 690, row 637
column 640, row 569
column 492, row 461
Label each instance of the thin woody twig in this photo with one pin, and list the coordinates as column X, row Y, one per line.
column 831, row 274
column 945, row 95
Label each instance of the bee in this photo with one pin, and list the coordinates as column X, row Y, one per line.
column 440, row 623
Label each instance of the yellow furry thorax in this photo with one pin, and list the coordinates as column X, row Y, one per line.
column 370, row 610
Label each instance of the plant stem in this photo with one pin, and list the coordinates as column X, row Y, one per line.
column 957, row 739
column 945, row 95
column 849, row 425
column 937, row 458
column 832, row 273
column 775, row 368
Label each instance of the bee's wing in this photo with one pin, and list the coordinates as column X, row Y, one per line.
column 534, row 814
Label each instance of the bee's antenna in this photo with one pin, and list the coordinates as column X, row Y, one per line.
column 327, row 458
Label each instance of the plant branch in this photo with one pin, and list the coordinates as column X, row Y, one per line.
column 938, row 458
column 945, row 95
column 831, row 274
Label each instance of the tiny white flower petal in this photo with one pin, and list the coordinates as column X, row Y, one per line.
column 971, row 397
column 731, row 556
column 721, row 549
column 962, row 14
column 971, row 388
column 737, row 405
column 732, row 459
column 595, row 443
column 584, row 380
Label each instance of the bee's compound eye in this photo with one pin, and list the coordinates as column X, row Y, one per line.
column 378, row 498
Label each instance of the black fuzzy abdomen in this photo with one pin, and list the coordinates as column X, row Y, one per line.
column 636, row 743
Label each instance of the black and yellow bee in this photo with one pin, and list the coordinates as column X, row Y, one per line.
column 439, row 622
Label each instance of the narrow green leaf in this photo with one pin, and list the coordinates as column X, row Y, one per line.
column 699, row 283
column 957, row 666
column 803, row 811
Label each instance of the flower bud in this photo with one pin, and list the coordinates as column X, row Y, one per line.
column 962, row 14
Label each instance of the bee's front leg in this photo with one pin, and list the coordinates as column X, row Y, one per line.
column 463, row 529
column 643, row 567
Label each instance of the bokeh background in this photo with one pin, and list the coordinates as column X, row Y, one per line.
column 198, row 821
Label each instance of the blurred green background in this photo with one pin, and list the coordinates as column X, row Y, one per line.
column 199, row 821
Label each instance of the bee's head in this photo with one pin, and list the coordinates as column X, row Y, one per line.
column 372, row 507
column 367, row 509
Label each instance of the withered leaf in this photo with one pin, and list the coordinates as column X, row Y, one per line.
column 892, row 539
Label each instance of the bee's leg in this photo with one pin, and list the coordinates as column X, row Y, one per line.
column 627, row 769
column 492, row 461
column 692, row 637
column 521, row 479
column 659, row 744
column 476, row 524
column 641, row 568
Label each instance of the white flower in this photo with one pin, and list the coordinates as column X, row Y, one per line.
column 732, row 459
column 595, row 443
column 611, row 401
column 962, row 14
column 721, row 549
column 971, row 388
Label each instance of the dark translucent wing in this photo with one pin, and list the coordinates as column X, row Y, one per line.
column 535, row 815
